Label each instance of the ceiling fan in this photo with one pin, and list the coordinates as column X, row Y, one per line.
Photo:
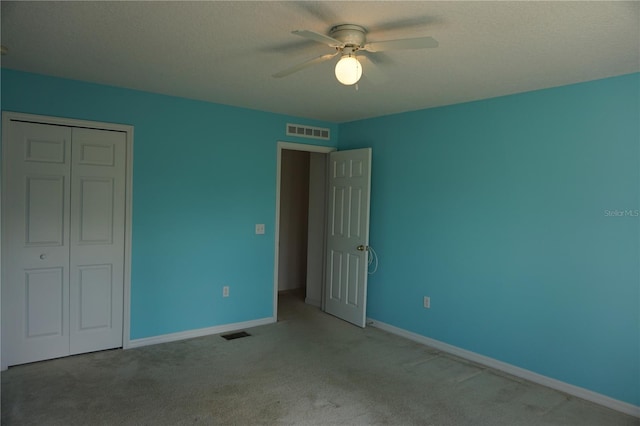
column 347, row 40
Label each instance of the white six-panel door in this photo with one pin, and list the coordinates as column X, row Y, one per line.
column 348, row 235
column 63, row 241
column 97, row 239
column 35, row 252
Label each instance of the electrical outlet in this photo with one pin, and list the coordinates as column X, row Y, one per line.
column 427, row 302
column 225, row 291
column 259, row 228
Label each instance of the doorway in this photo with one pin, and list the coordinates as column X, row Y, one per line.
column 300, row 222
column 337, row 236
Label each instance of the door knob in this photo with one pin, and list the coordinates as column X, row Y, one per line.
column 43, row 256
column 361, row 248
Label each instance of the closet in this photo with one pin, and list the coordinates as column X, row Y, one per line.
column 63, row 240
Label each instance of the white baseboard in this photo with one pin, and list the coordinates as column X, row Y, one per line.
column 583, row 393
column 189, row 334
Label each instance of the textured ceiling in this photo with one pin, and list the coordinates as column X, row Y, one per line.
column 226, row 52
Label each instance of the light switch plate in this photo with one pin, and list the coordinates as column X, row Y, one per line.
column 427, row 302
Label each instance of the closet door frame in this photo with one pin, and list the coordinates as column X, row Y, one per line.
column 7, row 118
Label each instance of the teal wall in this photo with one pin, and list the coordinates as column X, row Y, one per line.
column 203, row 176
column 496, row 210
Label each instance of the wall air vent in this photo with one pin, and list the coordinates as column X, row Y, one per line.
column 308, row 131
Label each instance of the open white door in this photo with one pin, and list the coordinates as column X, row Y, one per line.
column 348, row 235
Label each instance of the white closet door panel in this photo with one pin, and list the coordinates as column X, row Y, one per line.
column 96, row 210
column 35, row 242
column 45, row 212
column 97, row 239
column 44, row 301
column 95, row 285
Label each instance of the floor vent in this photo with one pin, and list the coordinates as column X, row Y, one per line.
column 308, row 131
column 237, row 335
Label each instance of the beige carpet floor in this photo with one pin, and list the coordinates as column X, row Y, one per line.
column 307, row 369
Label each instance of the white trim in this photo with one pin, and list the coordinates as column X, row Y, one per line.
column 128, row 221
column 62, row 121
column 561, row 386
column 190, row 334
column 8, row 116
column 280, row 147
column 304, row 147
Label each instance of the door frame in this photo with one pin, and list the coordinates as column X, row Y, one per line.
column 293, row 147
column 7, row 117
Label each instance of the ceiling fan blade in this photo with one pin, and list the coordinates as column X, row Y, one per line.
column 317, row 10
column 304, row 65
column 407, row 43
column 371, row 71
column 320, row 38
column 402, row 24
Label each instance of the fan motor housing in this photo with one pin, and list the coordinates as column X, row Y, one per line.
column 350, row 35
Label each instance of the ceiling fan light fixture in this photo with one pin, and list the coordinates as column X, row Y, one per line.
column 348, row 70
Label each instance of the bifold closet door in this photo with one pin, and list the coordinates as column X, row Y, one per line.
column 63, row 241
column 35, row 252
column 97, row 239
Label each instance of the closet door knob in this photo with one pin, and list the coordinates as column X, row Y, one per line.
column 43, row 256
